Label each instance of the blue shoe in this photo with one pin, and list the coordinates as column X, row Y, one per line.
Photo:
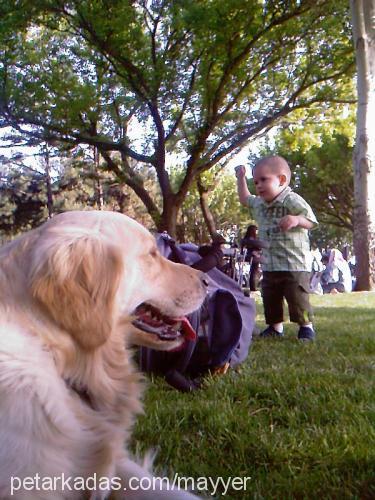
column 306, row 334
column 271, row 332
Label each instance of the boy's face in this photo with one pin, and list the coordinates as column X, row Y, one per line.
column 268, row 185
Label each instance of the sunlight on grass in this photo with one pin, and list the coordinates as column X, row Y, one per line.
column 297, row 418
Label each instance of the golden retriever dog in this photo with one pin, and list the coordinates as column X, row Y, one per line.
column 74, row 294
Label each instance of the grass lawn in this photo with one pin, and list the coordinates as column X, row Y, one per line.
column 296, row 418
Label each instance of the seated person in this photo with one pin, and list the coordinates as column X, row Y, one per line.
column 336, row 278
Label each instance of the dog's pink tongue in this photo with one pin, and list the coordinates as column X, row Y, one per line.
column 188, row 330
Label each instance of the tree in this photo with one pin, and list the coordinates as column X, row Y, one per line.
column 220, row 195
column 363, row 20
column 22, row 199
column 29, row 196
column 84, row 73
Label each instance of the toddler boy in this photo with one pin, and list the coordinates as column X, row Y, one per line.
column 284, row 219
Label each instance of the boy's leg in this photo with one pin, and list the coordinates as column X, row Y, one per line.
column 296, row 291
column 272, row 294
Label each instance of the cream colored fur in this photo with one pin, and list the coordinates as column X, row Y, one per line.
column 67, row 291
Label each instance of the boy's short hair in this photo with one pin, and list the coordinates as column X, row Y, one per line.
column 277, row 164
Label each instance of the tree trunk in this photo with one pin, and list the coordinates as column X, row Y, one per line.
column 169, row 216
column 98, row 188
column 207, row 214
column 47, row 171
column 363, row 22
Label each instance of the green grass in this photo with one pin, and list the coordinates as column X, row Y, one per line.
column 297, row 418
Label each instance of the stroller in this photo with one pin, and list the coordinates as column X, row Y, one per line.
column 224, row 323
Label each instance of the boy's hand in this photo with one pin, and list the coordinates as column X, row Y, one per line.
column 240, row 171
column 288, row 222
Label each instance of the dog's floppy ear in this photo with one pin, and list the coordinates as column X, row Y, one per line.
column 74, row 277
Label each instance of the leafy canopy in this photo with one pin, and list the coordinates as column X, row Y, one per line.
column 146, row 80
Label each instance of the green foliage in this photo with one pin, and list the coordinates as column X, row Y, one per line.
column 222, row 200
column 296, row 418
column 22, row 202
column 75, row 185
column 320, row 156
column 86, row 72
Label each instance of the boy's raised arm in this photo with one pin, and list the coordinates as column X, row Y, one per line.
column 242, row 189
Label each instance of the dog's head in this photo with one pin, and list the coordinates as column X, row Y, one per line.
column 90, row 271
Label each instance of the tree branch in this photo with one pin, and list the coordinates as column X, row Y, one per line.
column 52, row 133
column 129, row 177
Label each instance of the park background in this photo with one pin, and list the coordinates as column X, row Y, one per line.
column 145, row 106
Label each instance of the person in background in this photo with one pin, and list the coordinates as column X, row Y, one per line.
column 336, row 278
column 253, row 256
column 284, row 219
column 316, row 272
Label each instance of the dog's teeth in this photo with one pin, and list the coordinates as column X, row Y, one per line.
column 168, row 334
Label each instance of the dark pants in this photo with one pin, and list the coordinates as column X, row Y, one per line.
column 294, row 286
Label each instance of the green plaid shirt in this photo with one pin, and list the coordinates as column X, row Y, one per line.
column 289, row 250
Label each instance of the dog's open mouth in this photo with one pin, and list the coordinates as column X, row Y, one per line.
column 150, row 320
